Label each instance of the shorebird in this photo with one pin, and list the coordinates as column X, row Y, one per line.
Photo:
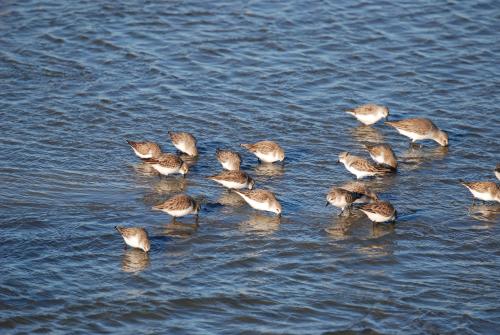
column 383, row 154
column 135, row 237
column 420, row 129
column 483, row 190
column 360, row 166
column 233, row 179
column 370, row 113
column 167, row 164
column 229, row 160
column 184, row 142
column 261, row 200
column 266, row 151
column 341, row 198
column 145, row 150
column 368, row 195
column 380, row 211
column 178, row 206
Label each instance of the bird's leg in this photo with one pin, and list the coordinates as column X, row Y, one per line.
column 342, row 211
column 197, row 220
column 473, row 201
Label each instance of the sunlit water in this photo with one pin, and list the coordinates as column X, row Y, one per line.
column 77, row 79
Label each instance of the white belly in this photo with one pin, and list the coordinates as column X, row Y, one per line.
column 497, row 174
column 164, row 170
column 132, row 241
column 412, row 135
column 184, row 148
column 230, row 166
column 377, row 217
column 178, row 213
column 261, row 206
column 368, row 119
column 148, row 155
column 267, row 158
column 359, row 174
column 339, row 202
column 379, row 159
column 232, row 184
column 485, row 196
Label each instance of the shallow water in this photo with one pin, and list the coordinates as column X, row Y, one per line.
column 78, row 79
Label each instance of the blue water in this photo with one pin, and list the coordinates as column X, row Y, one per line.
column 78, row 78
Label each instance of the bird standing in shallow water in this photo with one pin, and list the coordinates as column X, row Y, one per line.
column 167, row 164
column 178, row 206
column 341, row 198
column 145, row 150
column 266, row 151
column 383, row 154
column 184, row 142
column 229, row 160
column 135, row 237
column 233, row 179
column 369, row 114
column 261, row 200
column 483, row 190
column 380, row 211
column 360, row 166
column 420, row 129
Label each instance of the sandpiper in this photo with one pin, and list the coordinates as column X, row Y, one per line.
column 370, row 113
column 230, row 160
column 145, row 150
column 233, row 179
column 167, row 164
column 184, row 142
column 135, row 237
column 420, row 129
column 380, row 211
column 497, row 171
column 359, row 187
column 360, row 166
column 261, row 200
column 483, row 190
column 383, row 154
column 179, row 205
column 266, row 151
column 341, row 198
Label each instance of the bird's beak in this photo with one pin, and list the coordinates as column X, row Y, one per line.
column 327, row 203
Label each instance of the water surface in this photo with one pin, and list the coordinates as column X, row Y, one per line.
column 78, row 78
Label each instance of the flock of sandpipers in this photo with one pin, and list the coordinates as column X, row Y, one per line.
column 269, row 152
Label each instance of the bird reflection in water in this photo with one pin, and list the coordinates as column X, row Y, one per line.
column 145, row 169
column 260, row 224
column 269, row 169
column 485, row 212
column 171, row 185
column 341, row 226
column 367, row 134
column 416, row 156
column 356, row 225
column 180, row 229
column 229, row 198
column 135, row 260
